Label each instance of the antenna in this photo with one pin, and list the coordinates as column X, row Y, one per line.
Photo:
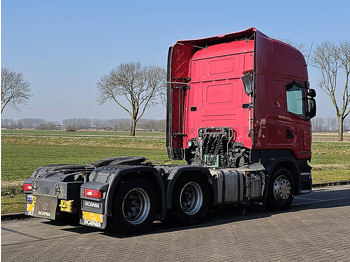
column 308, row 57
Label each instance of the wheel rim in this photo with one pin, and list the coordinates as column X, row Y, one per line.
column 282, row 188
column 136, row 206
column 191, row 198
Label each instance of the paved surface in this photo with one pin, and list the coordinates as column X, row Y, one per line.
column 315, row 228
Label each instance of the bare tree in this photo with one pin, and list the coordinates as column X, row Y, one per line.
column 14, row 90
column 141, row 86
column 317, row 124
column 331, row 59
column 8, row 123
column 30, row 122
column 77, row 123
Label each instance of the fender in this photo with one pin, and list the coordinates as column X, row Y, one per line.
column 136, row 170
column 272, row 158
column 180, row 170
column 112, row 175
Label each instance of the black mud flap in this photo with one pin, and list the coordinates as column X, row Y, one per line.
column 45, row 206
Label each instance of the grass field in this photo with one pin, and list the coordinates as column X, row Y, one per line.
column 24, row 150
column 22, row 154
column 330, row 159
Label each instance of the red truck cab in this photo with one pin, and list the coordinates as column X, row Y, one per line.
column 239, row 99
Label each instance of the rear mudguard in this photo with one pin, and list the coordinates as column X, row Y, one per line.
column 106, row 179
column 176, row 172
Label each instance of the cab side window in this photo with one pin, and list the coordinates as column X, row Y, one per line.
column 294, row 95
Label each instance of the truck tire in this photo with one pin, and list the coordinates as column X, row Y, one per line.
column 190, row 200
column 281, row 190
column 134, row 206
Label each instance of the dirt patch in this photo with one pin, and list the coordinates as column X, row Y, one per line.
column 329, row 137
column 11, row 183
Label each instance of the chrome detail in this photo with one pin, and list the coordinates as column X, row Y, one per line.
column 234, row 186
column 255, row 185
column 282, row 188
column 306, row 174
column 230, row 185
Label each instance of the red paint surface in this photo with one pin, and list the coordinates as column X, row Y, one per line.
column 217, row 90
column 216, row 94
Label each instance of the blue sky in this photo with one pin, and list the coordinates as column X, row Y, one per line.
column 64, row 47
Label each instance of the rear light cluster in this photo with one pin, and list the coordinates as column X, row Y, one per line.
column 92, row 193
column 27, row 187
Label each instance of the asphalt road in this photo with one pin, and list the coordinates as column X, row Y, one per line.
column 315, row 228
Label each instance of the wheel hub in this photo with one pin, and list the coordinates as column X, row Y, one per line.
column 282, row 188
column 191, row 198
column 136, row 206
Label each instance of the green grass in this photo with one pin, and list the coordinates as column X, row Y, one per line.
column 20, row 156
column 323, row 176
column 12, row 199
column 24, row 150
column 330, row 161
column 13, row 204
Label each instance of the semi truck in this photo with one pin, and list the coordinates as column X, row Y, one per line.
column 238, row 112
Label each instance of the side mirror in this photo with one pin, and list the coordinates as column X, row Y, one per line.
column 311, row 93
column 311, row 107
column 248, row 82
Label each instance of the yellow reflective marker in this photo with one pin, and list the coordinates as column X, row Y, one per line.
column 93, row 216
column 67, row 206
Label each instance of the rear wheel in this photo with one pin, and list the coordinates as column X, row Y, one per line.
column 281, row 190
column 190, row 200
column 134, row 206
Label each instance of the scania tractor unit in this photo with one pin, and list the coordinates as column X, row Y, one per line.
column 238, row 111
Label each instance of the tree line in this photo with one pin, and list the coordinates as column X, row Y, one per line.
column 330, row 124
column 319, row 124
column 75, row 124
